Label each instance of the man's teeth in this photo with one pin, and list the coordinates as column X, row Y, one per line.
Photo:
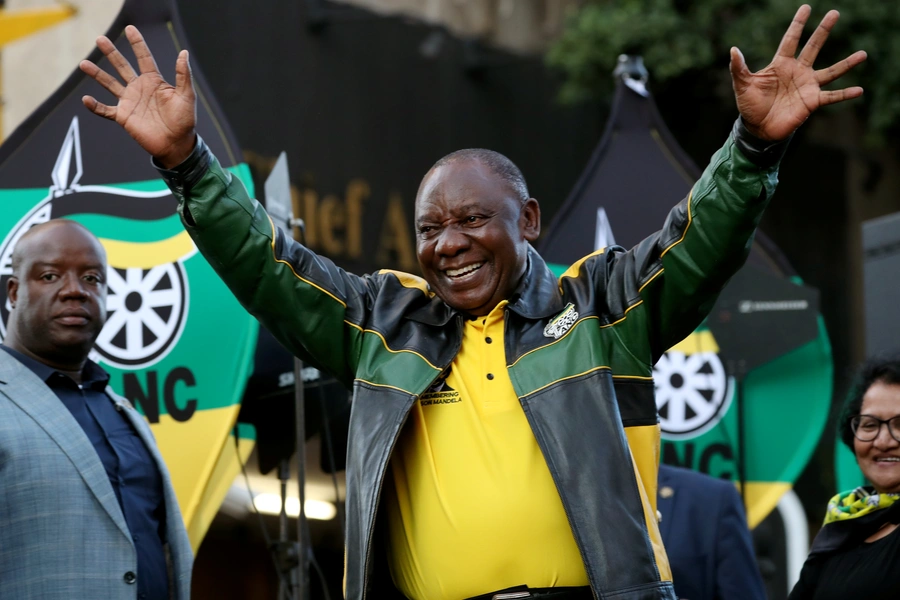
column 463, row 271
column 888, row 459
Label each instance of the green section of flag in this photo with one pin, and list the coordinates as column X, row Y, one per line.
column 556, row 269
column 245, row 431
column 16, row 203
column 847, row 472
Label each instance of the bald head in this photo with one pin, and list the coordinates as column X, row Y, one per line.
column 496, row 163
column 37, row 233
column 57, row 293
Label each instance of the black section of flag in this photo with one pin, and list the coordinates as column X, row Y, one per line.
column 138, row 209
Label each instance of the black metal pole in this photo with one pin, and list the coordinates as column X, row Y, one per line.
column 303, row 541
column 739, row 374
column 285, row 565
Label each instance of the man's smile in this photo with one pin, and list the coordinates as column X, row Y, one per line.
column 462, row 272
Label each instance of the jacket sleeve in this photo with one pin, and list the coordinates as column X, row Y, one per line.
column 314, row 308
column 677, row 273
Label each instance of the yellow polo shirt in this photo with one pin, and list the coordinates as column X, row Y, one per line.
column 471, row 504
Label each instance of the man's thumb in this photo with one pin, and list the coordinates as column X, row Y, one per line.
column 737, row 66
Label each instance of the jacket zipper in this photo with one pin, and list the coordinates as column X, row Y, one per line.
column 366, row 571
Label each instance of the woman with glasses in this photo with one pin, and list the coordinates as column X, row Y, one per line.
column 857, row 551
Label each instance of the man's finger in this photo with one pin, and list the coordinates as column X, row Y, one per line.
column 102, row 77
column 121, row 64
column 837, row 70
column 791, row 39
column 817, row 39
column 833, row 97
column 107, row 112
column 146, row 62
column 184, row 84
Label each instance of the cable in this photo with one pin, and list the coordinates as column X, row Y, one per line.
column 285, row 584
column 315, row 564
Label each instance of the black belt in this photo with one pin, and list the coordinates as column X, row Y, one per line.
column 523, row 592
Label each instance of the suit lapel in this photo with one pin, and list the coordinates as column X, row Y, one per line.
column 34, row 398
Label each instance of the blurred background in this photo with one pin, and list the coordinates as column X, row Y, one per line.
column 364, row 95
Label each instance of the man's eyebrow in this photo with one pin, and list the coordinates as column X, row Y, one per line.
column 50, row 263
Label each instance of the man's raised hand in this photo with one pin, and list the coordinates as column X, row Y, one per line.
column 776, row 100
column 158, row 116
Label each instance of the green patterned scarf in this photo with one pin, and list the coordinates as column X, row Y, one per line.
column 857, row 503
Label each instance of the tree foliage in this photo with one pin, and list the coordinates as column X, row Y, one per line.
column 677, row 37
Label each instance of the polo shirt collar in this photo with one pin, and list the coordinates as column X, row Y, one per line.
column 538, row 293
column 92, row 375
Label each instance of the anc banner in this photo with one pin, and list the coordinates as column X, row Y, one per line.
column 176, row 342
column 636, row 174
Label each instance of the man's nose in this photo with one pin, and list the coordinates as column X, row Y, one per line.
column 72, row 288
column 451, row 241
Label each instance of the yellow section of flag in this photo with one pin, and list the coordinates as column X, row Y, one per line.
column 699, row 341
column 146, row 255
column 762, row 498
column 202, row 462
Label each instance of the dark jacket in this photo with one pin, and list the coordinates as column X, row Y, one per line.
column 707, row 539
column 579, row 350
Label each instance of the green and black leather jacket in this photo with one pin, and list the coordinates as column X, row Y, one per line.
column 580, row 350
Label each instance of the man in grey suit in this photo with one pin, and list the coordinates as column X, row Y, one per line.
column 87, row 509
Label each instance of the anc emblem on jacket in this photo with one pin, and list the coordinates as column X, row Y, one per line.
column 148, row 297
column 693, row 391
column 562, row 322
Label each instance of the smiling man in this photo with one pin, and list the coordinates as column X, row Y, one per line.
column 503, row 436
column 87, row 509
column 472, row 215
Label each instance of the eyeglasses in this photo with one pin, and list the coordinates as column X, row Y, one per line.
column 866, row 427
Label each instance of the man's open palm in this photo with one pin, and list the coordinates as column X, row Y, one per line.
column 161, row 117
column 776, row 100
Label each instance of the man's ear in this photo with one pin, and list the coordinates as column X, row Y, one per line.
column 12, row 290
column 530, row 219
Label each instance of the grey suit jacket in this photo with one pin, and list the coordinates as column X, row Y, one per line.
column 62, row 532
